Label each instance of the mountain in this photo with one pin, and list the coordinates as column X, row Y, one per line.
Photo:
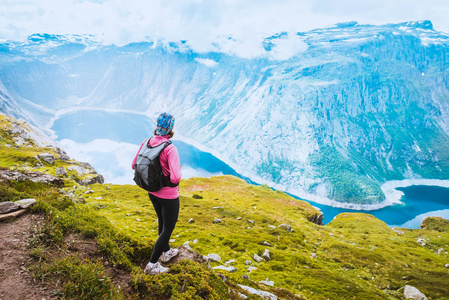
column 353, row 107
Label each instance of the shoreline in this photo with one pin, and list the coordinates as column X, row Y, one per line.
column 392, row 195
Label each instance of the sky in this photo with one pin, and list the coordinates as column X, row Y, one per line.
column 203, row 22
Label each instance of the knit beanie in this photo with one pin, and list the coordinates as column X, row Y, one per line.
column 165, row 123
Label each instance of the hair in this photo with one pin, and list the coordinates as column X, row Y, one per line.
column 170, row 134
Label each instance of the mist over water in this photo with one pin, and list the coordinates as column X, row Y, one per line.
column 110, row 140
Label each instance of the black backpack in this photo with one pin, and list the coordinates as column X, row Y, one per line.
column 147, row 169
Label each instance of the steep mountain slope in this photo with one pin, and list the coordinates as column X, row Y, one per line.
column 357, row 106
column 95, row 239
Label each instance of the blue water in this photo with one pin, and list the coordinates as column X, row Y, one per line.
column 86, row 126
column 417, row 200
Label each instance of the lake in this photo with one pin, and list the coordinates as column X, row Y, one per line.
column 110, row 140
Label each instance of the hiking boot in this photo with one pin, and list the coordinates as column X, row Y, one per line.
column 166, row 256
column 154, row 269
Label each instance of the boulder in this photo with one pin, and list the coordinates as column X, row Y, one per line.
column 263, row 294
column 213, row 257
column 45, row 178
column 257, row 258
column 317, row 218
column 265, row 243
column 47, row 157
column 411, row 292
column 13, row 214
column 250, row 269
column 217, row 220
column 61, row 171
column 266, row 255
column 267, row 282
column 62, row 154
column 286, row 227
column 7, row 207
column 97, row 179
column 80, row 170
column 25, row 203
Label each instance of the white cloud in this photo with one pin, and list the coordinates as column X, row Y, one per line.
column 113, row 159
column 109, row 158
column 201, row 22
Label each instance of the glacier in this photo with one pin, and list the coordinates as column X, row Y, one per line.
column 355, row 106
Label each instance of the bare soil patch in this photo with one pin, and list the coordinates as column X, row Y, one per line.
column 15, row 281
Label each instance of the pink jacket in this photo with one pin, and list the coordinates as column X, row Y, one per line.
column 170, row 164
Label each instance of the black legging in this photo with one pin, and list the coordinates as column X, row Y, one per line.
column 167, row 211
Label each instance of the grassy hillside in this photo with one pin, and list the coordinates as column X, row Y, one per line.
column 96, row 239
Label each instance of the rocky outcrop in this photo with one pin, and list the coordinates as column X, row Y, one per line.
column 97, row 179
column 47, row 157
column 317, row 218
column 32, row 176
column 411, row 292
column 61, row 171
column 6, row 207
column 10, row 210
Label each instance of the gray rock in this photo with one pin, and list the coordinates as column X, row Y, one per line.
column 230, row 262
column 421, row 241
column 245, row 276
column 217, row 207
column 251, row 221
column 411, row 292
column 265, row 243
column 263, row 294
column 239, row 218
column 47, row 157
column 250, row 269
column 61, row 171
column 80, row 170
column 266, row 255
column 286, row 227
column 230, row 269
column 267, row 282
column 191, row 220
column 7, row 207
column 313, row 255
column 248, row 262
column 97, row 179
column 62, row 154
column 272, row 226
column 25, row 203
column 317, row 219
column 242, row 296
column 217, row 220
column 447, row 266
column 441, row 250
column 213, row 257
column 257, row 258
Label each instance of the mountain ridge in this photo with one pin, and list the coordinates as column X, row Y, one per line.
column 372, row 98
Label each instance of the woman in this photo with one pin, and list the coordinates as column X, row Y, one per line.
column 166, row 200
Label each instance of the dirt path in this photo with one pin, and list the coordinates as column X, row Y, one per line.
column 15, row 282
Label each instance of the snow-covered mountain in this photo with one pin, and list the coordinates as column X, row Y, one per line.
column 353, row 106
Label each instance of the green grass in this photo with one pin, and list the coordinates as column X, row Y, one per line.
column 356, row 256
